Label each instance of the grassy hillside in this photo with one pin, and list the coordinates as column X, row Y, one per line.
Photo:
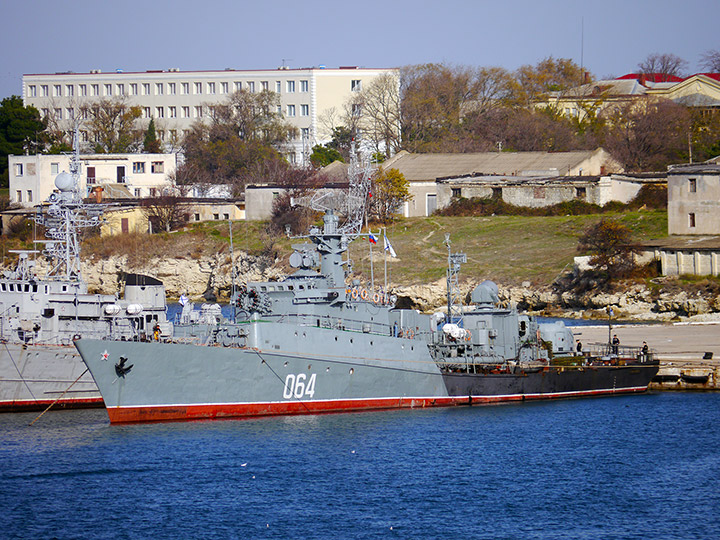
column 507, row 249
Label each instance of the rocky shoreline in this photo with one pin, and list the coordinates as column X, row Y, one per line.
column 210, row 278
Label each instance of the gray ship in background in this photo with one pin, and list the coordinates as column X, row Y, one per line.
column 40, row 317
column 315, row 343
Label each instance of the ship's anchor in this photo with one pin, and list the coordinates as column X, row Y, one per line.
column 120, row 369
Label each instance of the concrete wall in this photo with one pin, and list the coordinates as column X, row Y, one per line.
column 32, row 178
column 258, row 201
column 702, row 204
column 700, row 263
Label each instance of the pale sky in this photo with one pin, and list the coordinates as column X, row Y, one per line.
column 48, row 36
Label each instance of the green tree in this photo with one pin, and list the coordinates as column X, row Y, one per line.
column 151, row 144
column 388, row 191
column 322, row 156
column 21, row 128
column 610, row 246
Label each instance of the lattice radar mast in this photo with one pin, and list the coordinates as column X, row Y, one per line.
column 352, row 204
column 63, row 216
column 454, row 301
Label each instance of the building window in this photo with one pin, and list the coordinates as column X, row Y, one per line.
column 173, row 134
column 305, row 133
column 54, row 168
column 691, row 220
column 580, row 192
column 172, row 112
column 157, row 167
column 32, row 90
column 45, row 112
column 29, row 195
column 57, row 90
column 198, row 88
column 539, row 193
column 456, row 192
column 69, row 90
column 197, row 217
column 238, row 86
column 355, row 85
column 159, row 112
column 185, row 112
column 70, row 113
column 291, row 110
column 18, row 169
column 146, row 112
column 138, row 167
column 198, row 111
column 159, row 89
column 226, row 216
column 251, row 87
column 171, row 88
column 161, row 134
column 185, row 88
column 225, row 88
column 83, row 90
column 216, row 217
column 58, row 114
column 265, row 85
column 278, row 86
column 84, row 136
column 120, row 89
column 304, row 85
column 211, row 88
column 692, row 185
column 19, row 195
column 108, row 89
column 146, row 89
column 133, row 89
column 94, row 89
column 138, row 192
column 91, row 175
column 356, row 109
column 304, row 110
column 290, row 86
column 44, row 90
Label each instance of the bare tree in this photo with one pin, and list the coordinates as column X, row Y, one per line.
column 377, row 111
column 113, row 125
column 165, row 213
column 667, row 65
column 710, row 61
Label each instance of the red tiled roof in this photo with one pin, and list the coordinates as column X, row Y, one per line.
column 652, row 77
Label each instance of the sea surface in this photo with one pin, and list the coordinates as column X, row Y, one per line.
column 628, row 467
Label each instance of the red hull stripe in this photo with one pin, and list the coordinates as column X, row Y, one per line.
column 35, row 405
column 228, row 410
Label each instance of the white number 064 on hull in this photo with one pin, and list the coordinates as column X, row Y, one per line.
column 296, row 387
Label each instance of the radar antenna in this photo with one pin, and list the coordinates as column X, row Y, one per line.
column 63, row 215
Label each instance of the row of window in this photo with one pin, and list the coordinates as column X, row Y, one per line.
column 156, row 167
column 169, row 88
column 168, row 112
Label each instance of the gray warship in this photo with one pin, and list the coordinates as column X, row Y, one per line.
column 40, row 317
column 315, row 343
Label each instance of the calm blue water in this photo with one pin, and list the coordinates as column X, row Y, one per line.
column 609, row 468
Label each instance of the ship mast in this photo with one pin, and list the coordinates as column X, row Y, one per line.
column 63, row 215
column 454, row 304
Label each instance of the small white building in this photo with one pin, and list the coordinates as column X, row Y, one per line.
column 32, row 178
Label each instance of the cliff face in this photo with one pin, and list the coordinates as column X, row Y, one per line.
column 211, row 278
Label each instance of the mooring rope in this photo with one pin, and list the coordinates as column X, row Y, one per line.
column 59, row 397
column 18, row 370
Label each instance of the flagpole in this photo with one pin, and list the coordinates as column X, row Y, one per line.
column 386, row 254
column 372, row 276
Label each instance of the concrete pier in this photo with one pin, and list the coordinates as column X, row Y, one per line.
column 689, row 353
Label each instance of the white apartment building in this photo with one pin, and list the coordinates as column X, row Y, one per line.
column 32, row 178
column 176, row 99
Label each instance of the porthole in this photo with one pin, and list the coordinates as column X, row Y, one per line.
column 352, row 370
column 327, row 369
column 285, row 364
column 309, row 367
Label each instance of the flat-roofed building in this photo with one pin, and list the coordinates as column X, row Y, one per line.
column 176, row 99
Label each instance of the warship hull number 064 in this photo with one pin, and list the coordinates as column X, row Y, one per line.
column 314, row 343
